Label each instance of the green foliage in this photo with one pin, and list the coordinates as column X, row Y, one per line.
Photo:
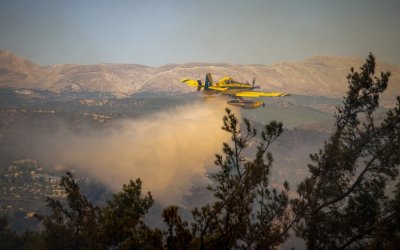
column 246, row 213
column 79, row 224
column 122, row 223
column 72, row 226
column 178, row 233
column 343, row 203
column 9, row 239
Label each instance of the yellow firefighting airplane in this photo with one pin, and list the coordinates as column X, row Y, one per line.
column 236, row 90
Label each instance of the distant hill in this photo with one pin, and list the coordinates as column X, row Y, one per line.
column 316, row 76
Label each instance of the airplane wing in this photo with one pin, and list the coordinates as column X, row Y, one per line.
column 260, row 94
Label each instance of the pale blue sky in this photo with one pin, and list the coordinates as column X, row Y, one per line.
column 157, row 32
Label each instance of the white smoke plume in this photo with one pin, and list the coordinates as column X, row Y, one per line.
column 169, row 151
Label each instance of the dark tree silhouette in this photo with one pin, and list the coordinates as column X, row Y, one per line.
column 343, row 203
column 73, row 225
column 122, row 222
column 246, row 213
column 79, row 224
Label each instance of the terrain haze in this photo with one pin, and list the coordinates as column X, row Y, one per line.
column 109, row 123
column 93, row 87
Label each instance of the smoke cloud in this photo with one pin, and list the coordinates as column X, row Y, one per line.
column 169, row 151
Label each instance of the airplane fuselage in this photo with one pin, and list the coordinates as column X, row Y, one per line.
column 237, row 91
column 233, row 87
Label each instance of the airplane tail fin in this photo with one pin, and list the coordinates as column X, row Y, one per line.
column 209, row 81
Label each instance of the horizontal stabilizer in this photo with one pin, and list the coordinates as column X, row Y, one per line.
column 260, row 94
column 192, row 83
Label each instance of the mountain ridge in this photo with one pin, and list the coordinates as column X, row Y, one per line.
column 319, row 76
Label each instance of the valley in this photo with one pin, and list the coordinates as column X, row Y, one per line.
column 28, row 117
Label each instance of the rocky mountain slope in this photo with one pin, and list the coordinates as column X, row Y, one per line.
column 317, row 76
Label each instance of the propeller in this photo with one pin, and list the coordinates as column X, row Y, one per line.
column 199, row 84
column 254, row 83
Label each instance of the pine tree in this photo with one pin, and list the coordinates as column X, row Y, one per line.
column 122, row 222
column 74, row 225
column 343, row 203
column 78, row 224
column 246, row 212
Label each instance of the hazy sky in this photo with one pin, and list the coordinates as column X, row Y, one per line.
column 155, row 32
